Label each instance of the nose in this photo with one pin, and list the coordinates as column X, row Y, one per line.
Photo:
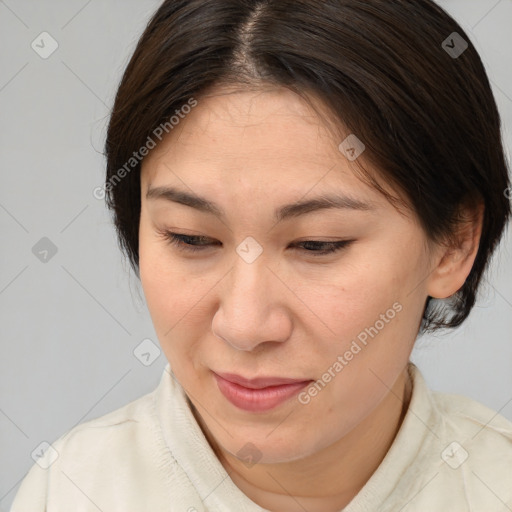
column 253, row 306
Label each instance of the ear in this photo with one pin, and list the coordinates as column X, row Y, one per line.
column 453, row 261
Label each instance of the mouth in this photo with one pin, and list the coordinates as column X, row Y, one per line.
column 260, row 394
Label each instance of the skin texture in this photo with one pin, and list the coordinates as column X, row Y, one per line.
column 289, row 313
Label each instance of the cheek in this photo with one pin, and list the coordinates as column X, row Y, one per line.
column 356, row 295
column 176, row 298
column 373, row 321
column 167, row 289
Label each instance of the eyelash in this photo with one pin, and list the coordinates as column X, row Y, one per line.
column 180, row 241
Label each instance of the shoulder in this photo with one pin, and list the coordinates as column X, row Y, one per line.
column 475, row 449
column 96, row 453
column 135, row 412
column 129, row 420
column 457, row 451
column 105, row 439
column 460, row 416
column 466, row 416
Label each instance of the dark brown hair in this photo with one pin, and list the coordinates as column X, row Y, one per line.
column 385, row 69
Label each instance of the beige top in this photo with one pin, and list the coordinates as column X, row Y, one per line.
column 451, row 454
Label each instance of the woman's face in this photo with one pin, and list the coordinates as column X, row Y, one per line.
column 254, row 300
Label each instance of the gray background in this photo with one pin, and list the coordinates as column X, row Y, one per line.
column 70, row 325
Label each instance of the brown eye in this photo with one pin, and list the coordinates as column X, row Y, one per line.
column 193, row 243
column 321, row 248
column 188, row 243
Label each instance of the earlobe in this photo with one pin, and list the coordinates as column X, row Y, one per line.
column 454, row 262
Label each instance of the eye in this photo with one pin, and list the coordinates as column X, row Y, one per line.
column 325, row 247
column 192, row 243
column 188, row 243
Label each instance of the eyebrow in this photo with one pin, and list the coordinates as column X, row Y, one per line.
column 322, row 202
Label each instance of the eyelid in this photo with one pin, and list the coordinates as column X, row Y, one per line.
column 176, row 239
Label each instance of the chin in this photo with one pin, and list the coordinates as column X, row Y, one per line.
column 262, row 448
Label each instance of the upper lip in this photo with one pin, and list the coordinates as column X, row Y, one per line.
column 258, row 382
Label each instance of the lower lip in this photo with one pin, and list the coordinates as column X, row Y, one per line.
column 258, row 400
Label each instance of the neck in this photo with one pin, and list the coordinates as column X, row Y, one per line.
column 331, row 478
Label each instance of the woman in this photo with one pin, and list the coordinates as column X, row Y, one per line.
column 303, row 188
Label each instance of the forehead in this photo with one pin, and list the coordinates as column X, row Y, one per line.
column 270, row 138
column 267, row 124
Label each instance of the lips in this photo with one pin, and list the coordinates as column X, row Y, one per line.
column 260, row 394
column 258, row 383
